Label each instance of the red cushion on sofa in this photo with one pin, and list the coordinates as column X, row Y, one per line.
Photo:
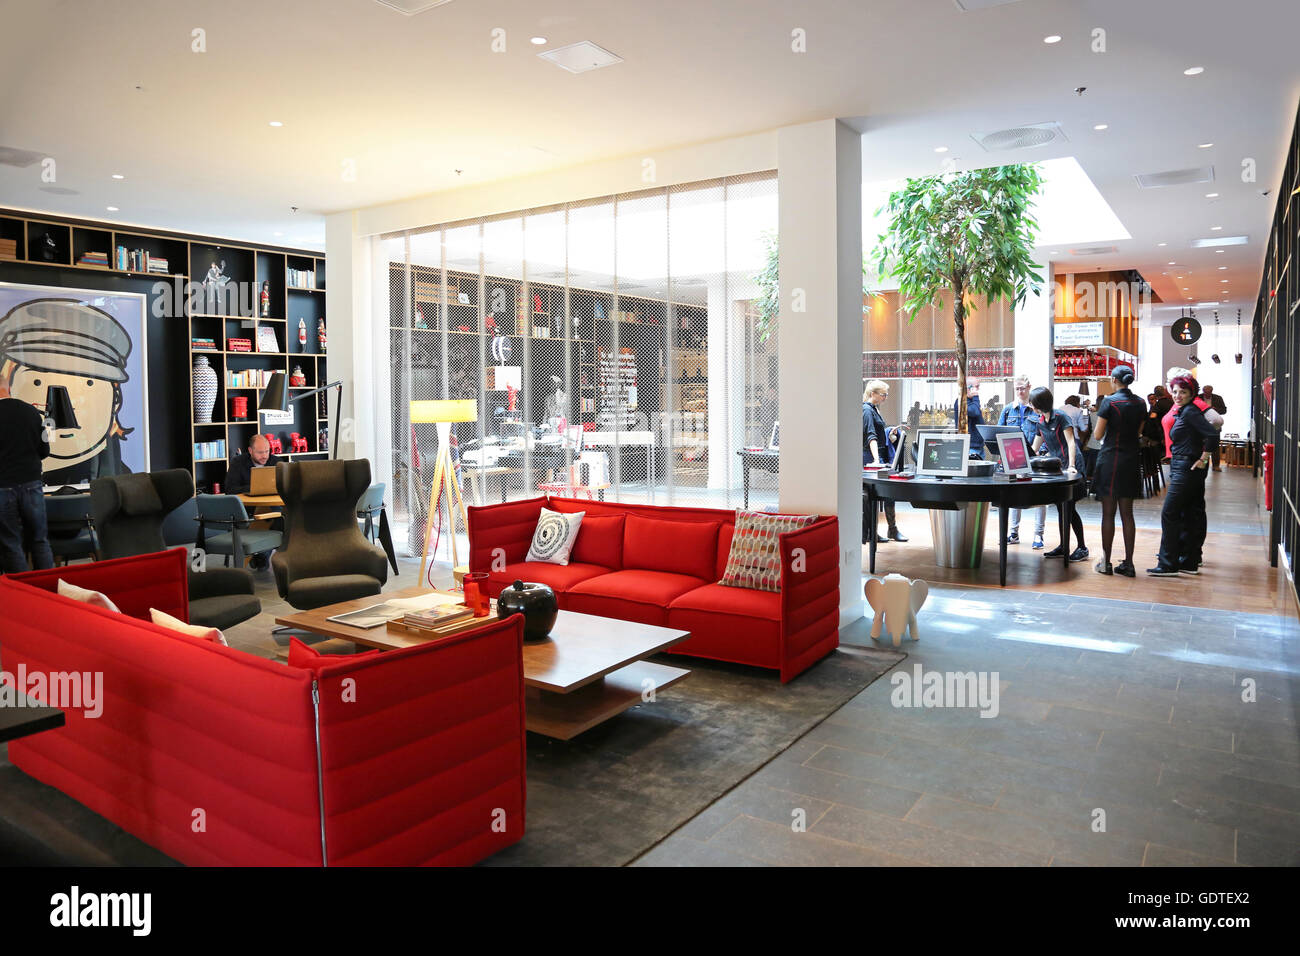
column 729, row 624
column 634, row 595
column 600, row 541
column 304, row 655
column 557, row 577
column 725, row 534
column 674, row 547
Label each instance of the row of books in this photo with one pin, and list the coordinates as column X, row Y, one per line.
column 140, row 260
column 249, row 378
column 99, row 259
column 201, row 344
column 204, row 450
column 301, row 278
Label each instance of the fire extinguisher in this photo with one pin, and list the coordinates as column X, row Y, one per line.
column 1268, row 476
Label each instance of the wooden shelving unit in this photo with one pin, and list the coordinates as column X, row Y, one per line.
column 65, row 244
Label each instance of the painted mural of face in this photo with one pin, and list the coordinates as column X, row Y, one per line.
column 92, row 400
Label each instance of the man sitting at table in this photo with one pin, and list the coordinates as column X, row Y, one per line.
column 239, row 474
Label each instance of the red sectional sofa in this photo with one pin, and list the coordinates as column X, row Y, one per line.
column 218, row 757
column 661, row 565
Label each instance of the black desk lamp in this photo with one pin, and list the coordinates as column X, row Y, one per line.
column 59, row 413
column 276, row 398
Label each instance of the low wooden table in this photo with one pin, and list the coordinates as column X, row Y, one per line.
column 589, row 670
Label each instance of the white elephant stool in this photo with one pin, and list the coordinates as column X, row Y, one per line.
column 895, row 599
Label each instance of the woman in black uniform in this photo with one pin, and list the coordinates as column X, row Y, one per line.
column 1182, row 520
column 877, row 448
column 1117, row 479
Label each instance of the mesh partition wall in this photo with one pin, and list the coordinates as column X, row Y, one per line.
column 615, row 349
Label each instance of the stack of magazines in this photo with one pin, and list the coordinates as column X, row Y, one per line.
column 437, row 618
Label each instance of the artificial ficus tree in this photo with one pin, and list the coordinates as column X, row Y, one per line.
column 969, row 233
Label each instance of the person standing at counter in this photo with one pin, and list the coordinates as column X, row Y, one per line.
column 1118, row 478
column 1057, row 433
column 974, row 416
column 1021, row 414
column 1182, row 519
column 877, row 448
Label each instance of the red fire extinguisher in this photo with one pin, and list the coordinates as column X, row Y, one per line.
column 1268, row 476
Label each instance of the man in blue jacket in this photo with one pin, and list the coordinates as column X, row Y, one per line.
column 1020, row 412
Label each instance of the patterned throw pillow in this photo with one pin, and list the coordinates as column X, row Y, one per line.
column 755, row 558
column 553, row 540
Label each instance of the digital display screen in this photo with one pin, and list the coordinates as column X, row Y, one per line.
column 1015, row 454
column 943, row 454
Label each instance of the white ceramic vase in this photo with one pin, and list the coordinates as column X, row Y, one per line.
column 205, row 390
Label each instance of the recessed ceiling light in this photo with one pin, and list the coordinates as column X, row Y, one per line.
column 1218, row 252
column 941, row 149
column 1223, row 280
column 1162, row 243
column 1211, row 195
column 1101, row 126
column 537, row 41
column 1222, row 267
column 1215, row 228
column 276, row 123
column 1193, row 71
column 1052, row 39
column 112, row 208
column 1172, row 263
column 1204, row 145
column 118, row 176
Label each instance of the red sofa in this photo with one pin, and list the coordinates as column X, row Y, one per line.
column 406, row 757
column 661, row 565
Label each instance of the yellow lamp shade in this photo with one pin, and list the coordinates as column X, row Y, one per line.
column 444, row 410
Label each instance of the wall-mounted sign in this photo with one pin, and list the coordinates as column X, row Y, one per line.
column 1186, row 331
column 1075, row 334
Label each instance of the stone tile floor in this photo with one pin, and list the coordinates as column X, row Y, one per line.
column 1113, row 713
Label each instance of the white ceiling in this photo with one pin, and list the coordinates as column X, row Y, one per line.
column 412, row 99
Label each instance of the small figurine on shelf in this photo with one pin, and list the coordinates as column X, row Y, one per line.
column 297, row 443
column 320, row 334
column 273, row 440
column 297, row 379
column 324, row 439
column 266, row 299
column 302, row 335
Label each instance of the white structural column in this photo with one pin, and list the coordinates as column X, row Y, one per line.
column 726, row 389
column 1034, row 320
column 820, row 186
column 351, row 345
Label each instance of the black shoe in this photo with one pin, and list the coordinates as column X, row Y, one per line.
column 1056, row 552
column 1189, row 570
column 1162, row 572
column 1103, row 567
column 895, row 535
column 1079, row 554
column 881, row 538
column 1126, row 568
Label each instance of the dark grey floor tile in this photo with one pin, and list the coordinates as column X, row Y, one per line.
column 1256, row 850
column 924, row 844
column 905, row 774
column 1233, row 787
column 779, row 845
column 683, row 851
column 762, row 802
column 1171, row 856
column 880, row 798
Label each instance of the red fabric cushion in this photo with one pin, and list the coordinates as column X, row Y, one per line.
column 600, row 541
column 557, row 577
column 135, row 584
column 674, row 547
column 724, row 550
column 304, row 655
column 633, row 595
column 729, row 624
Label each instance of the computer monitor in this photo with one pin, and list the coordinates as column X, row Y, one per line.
column 774, row 442
column 990, row 435
column 942, row 454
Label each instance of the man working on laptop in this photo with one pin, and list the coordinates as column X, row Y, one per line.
column 239, row 474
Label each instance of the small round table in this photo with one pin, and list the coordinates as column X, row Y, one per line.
column 927, row 492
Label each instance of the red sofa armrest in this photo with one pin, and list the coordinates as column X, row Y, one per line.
column 810, row 589
column 423, row 750
column 505, row 528
column 135, row 584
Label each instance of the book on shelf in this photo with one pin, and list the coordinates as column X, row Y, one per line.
column 139, row 260
column 200, row 344
column 301, row 278
column 248, row 378
column 267, row 341
column 210, row 450
column 99, row 259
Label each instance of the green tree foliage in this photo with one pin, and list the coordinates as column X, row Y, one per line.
column 968, row 233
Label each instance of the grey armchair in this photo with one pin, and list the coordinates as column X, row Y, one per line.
column 233, row 538
column 325, row 558
column 129, row 511
column 71, row 531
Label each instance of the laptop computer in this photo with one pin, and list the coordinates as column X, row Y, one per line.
column 262, row 482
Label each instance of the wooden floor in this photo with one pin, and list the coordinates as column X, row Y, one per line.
column 1236, row 575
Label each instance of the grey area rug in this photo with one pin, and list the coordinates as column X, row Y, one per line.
column 601, row 799
column 612, row 793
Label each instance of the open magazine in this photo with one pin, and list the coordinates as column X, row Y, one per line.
column 377, row 615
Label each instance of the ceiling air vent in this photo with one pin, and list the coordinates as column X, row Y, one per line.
column 1175, row 177
column 1020, row 137
column 412, row 7
column 1093, row 250
column 22, row 158
column 581, row 57
column 1220, row 241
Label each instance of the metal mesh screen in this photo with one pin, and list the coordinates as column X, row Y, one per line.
column 614, row 348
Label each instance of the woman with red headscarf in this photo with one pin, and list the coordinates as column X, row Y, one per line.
column 1167, row 422
column 1182, row 520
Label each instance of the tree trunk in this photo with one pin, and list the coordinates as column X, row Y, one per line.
column 959, row 332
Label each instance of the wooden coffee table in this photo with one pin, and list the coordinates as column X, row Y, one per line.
column 589, row 670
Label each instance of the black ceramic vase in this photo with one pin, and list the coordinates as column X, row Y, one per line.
column 536, row 602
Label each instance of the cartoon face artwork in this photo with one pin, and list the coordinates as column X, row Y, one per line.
column 63, row 342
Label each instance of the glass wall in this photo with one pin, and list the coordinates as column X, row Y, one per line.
column 614, row 348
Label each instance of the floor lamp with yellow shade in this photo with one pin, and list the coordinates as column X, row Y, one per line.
column 443, row 412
